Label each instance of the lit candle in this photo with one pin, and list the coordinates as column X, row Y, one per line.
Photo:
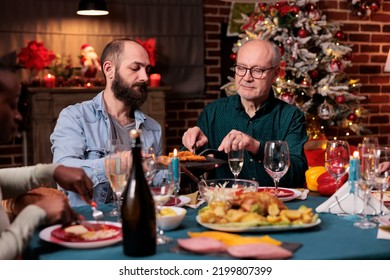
column 175, row 166
column 50, row 81
column 155, row 80
column 88, row 85
column 354, row 167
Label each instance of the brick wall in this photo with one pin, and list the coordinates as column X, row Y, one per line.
column 371, row 40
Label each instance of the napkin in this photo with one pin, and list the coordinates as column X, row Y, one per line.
column 196, row 200
column 346, row 203
column 383, row 233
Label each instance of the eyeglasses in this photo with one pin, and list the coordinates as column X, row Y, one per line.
column 256, row 72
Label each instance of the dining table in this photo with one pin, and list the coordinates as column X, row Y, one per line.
column 334, row 238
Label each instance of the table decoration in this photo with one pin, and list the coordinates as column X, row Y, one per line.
column 175, row 167
column 347, row 205
column 50, row 81
column 155, row 80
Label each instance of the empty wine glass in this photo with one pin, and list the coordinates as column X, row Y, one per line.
column 366, row 182
column 161, row 195
column 382, row 173
column 337, row 159
column 117, row 165
column 276, row 160
column 236, row 162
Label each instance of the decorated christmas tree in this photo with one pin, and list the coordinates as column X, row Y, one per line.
column 314, row 60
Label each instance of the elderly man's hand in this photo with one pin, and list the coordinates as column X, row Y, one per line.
column 237, row 140
column 194, row 138
column 74, row 179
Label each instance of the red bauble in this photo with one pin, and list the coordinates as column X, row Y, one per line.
column 340, row 35
column 352, row 117
column 340, row 99
column 263, row 7
column 302, row 33
column 374, row 7
column 314, row 74
column 310, row 7
column 295, row 9
column 233, row 56
column 288, row 97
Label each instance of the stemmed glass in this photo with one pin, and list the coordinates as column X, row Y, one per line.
column 276, row 160
column 150, row 164
column 161, row 196
column 337, row 159
column 382, row 173
column 367, row 180
column 236, row 161
column 117, row 164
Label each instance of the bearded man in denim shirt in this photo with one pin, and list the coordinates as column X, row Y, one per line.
column 251, row 117
column 81, row 135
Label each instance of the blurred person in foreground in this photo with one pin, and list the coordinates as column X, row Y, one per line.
column 251, row 117
column 80, row 138
column 15, row 182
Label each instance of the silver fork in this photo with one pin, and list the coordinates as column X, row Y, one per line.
column 97, row 214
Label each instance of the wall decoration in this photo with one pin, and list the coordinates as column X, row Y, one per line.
column 364, row 8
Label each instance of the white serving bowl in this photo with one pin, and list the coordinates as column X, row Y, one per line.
column 171, row 222
column 225, row 189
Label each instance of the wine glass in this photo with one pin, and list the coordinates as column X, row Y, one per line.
column 337, row 159
column 161, row 195
column 367, row 181
column 117, row 164
column 276, row 160
column 150, row 164
column 382, row 173
column 370, row 141
column 236, row 161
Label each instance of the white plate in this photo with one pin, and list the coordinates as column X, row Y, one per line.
column 295, row 195
column 221, row 227
column 45, row 234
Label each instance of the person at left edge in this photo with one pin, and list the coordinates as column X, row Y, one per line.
column 17, row 181
column 82, row 131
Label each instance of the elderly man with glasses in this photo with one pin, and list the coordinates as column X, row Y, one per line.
column 251, row 117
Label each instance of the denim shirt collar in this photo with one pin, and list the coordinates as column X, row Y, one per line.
column 98, row 104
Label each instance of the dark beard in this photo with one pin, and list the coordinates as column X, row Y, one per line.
column 132, row 96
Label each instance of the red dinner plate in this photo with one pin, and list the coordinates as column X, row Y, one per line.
column 59, row 233
column 282, row 192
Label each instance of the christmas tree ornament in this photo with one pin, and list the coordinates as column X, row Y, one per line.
column 335, row 65
column 314, row 74
column 233, row 57
column 352, row 117
column 302, row 33
column 340, row 35
column 314, row 14
column 325, row 111
column 340, row 99
column 288, row 97
column 295, row 9
column 305, row 82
